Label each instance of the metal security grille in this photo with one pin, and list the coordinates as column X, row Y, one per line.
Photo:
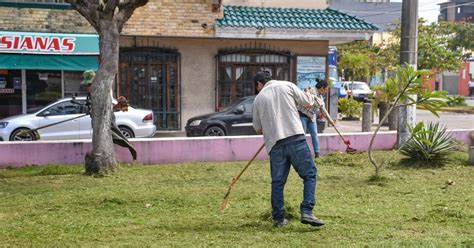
column 236, row 68
column 149, row 78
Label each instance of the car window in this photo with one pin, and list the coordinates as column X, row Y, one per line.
column 66, row 108
column 248, row 107
column 360, row 87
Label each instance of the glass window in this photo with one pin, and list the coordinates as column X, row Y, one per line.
column 42, row 87
column 248, row 106
column 10, row 93
column 236, row 71
column 72, row 83
column 66, row 108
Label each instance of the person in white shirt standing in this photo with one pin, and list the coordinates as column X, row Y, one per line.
column 276, row 117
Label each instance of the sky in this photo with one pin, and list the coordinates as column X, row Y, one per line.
column 428, row 9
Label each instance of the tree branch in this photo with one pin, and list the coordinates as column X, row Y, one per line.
column 88, row 9
column 126, row 10
column 110, row 6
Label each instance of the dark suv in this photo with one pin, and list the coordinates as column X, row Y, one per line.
column 233, row 120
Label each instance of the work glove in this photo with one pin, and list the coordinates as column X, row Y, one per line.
column 122, row 104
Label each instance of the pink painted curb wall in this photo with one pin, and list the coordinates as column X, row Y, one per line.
column 177, row 150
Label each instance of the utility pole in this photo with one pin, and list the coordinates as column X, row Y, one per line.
column 408, row 55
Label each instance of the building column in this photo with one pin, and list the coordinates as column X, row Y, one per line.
column 23, row 91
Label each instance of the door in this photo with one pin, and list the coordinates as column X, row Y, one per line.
column 59, row 112
column 241, row 122
column 149, row 78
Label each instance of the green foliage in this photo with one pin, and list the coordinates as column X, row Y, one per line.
column 437, row 45
column 177, row 205
column 454, row 101
column 355, row 65
column 350, row 108
column 429, row 144
column 409, row 83
column 359, row 60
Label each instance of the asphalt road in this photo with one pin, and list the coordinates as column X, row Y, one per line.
column 451, row 120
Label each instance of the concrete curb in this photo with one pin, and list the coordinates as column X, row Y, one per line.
column 178, row 150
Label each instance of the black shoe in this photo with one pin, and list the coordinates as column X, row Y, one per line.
column 280, row 223
column 310, row 219
column 316, row 155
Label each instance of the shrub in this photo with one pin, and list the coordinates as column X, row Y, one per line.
column 456, row 101
column 350, row 107
column 428, row 144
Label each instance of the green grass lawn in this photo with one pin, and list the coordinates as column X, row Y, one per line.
column 178, row 205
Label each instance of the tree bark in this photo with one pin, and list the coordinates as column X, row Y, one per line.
column 102, row 159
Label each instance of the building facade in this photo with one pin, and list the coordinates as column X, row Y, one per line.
column 456, row 11
column 188, row 57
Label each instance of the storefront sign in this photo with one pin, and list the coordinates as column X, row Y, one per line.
column 49, row 43
column 308, row 68
column 7, row 91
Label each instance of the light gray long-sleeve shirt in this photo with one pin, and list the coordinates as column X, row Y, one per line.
column 275, row 113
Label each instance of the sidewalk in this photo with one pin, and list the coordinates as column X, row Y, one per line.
column 451, row 120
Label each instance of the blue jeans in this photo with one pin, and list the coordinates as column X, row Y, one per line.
column 297, row 154
column 313, row 130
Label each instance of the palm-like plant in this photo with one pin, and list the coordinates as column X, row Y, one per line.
column 430, row 143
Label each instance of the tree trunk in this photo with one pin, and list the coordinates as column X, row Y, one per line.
column 102, row 158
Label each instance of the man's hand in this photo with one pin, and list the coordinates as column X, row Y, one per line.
column 259, row 131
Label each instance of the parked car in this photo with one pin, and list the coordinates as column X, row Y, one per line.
column 358, row 90
column 135, row 123
column 233, row 120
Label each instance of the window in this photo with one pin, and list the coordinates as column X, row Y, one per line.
column 149, row 78
column 66, row 108
column 237, row 68
column 42, row 87
column 10, row 93
column 72, row 83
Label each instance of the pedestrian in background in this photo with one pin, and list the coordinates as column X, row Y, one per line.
column 471, row 87
column 308, row 120
column 276, row 117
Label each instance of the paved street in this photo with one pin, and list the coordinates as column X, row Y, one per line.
column 451, row 120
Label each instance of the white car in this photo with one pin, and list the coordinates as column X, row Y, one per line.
column 358, row 90
column 136, row 123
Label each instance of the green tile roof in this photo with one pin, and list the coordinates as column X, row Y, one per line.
column 291, row 18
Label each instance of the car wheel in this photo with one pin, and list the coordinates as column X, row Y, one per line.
column 214, row 131
column 127, row 132
column 18, row 136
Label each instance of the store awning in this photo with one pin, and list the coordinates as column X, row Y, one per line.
column 49, row 62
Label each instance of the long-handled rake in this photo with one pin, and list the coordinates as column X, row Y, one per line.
column 225, row 203
column 349, row 149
